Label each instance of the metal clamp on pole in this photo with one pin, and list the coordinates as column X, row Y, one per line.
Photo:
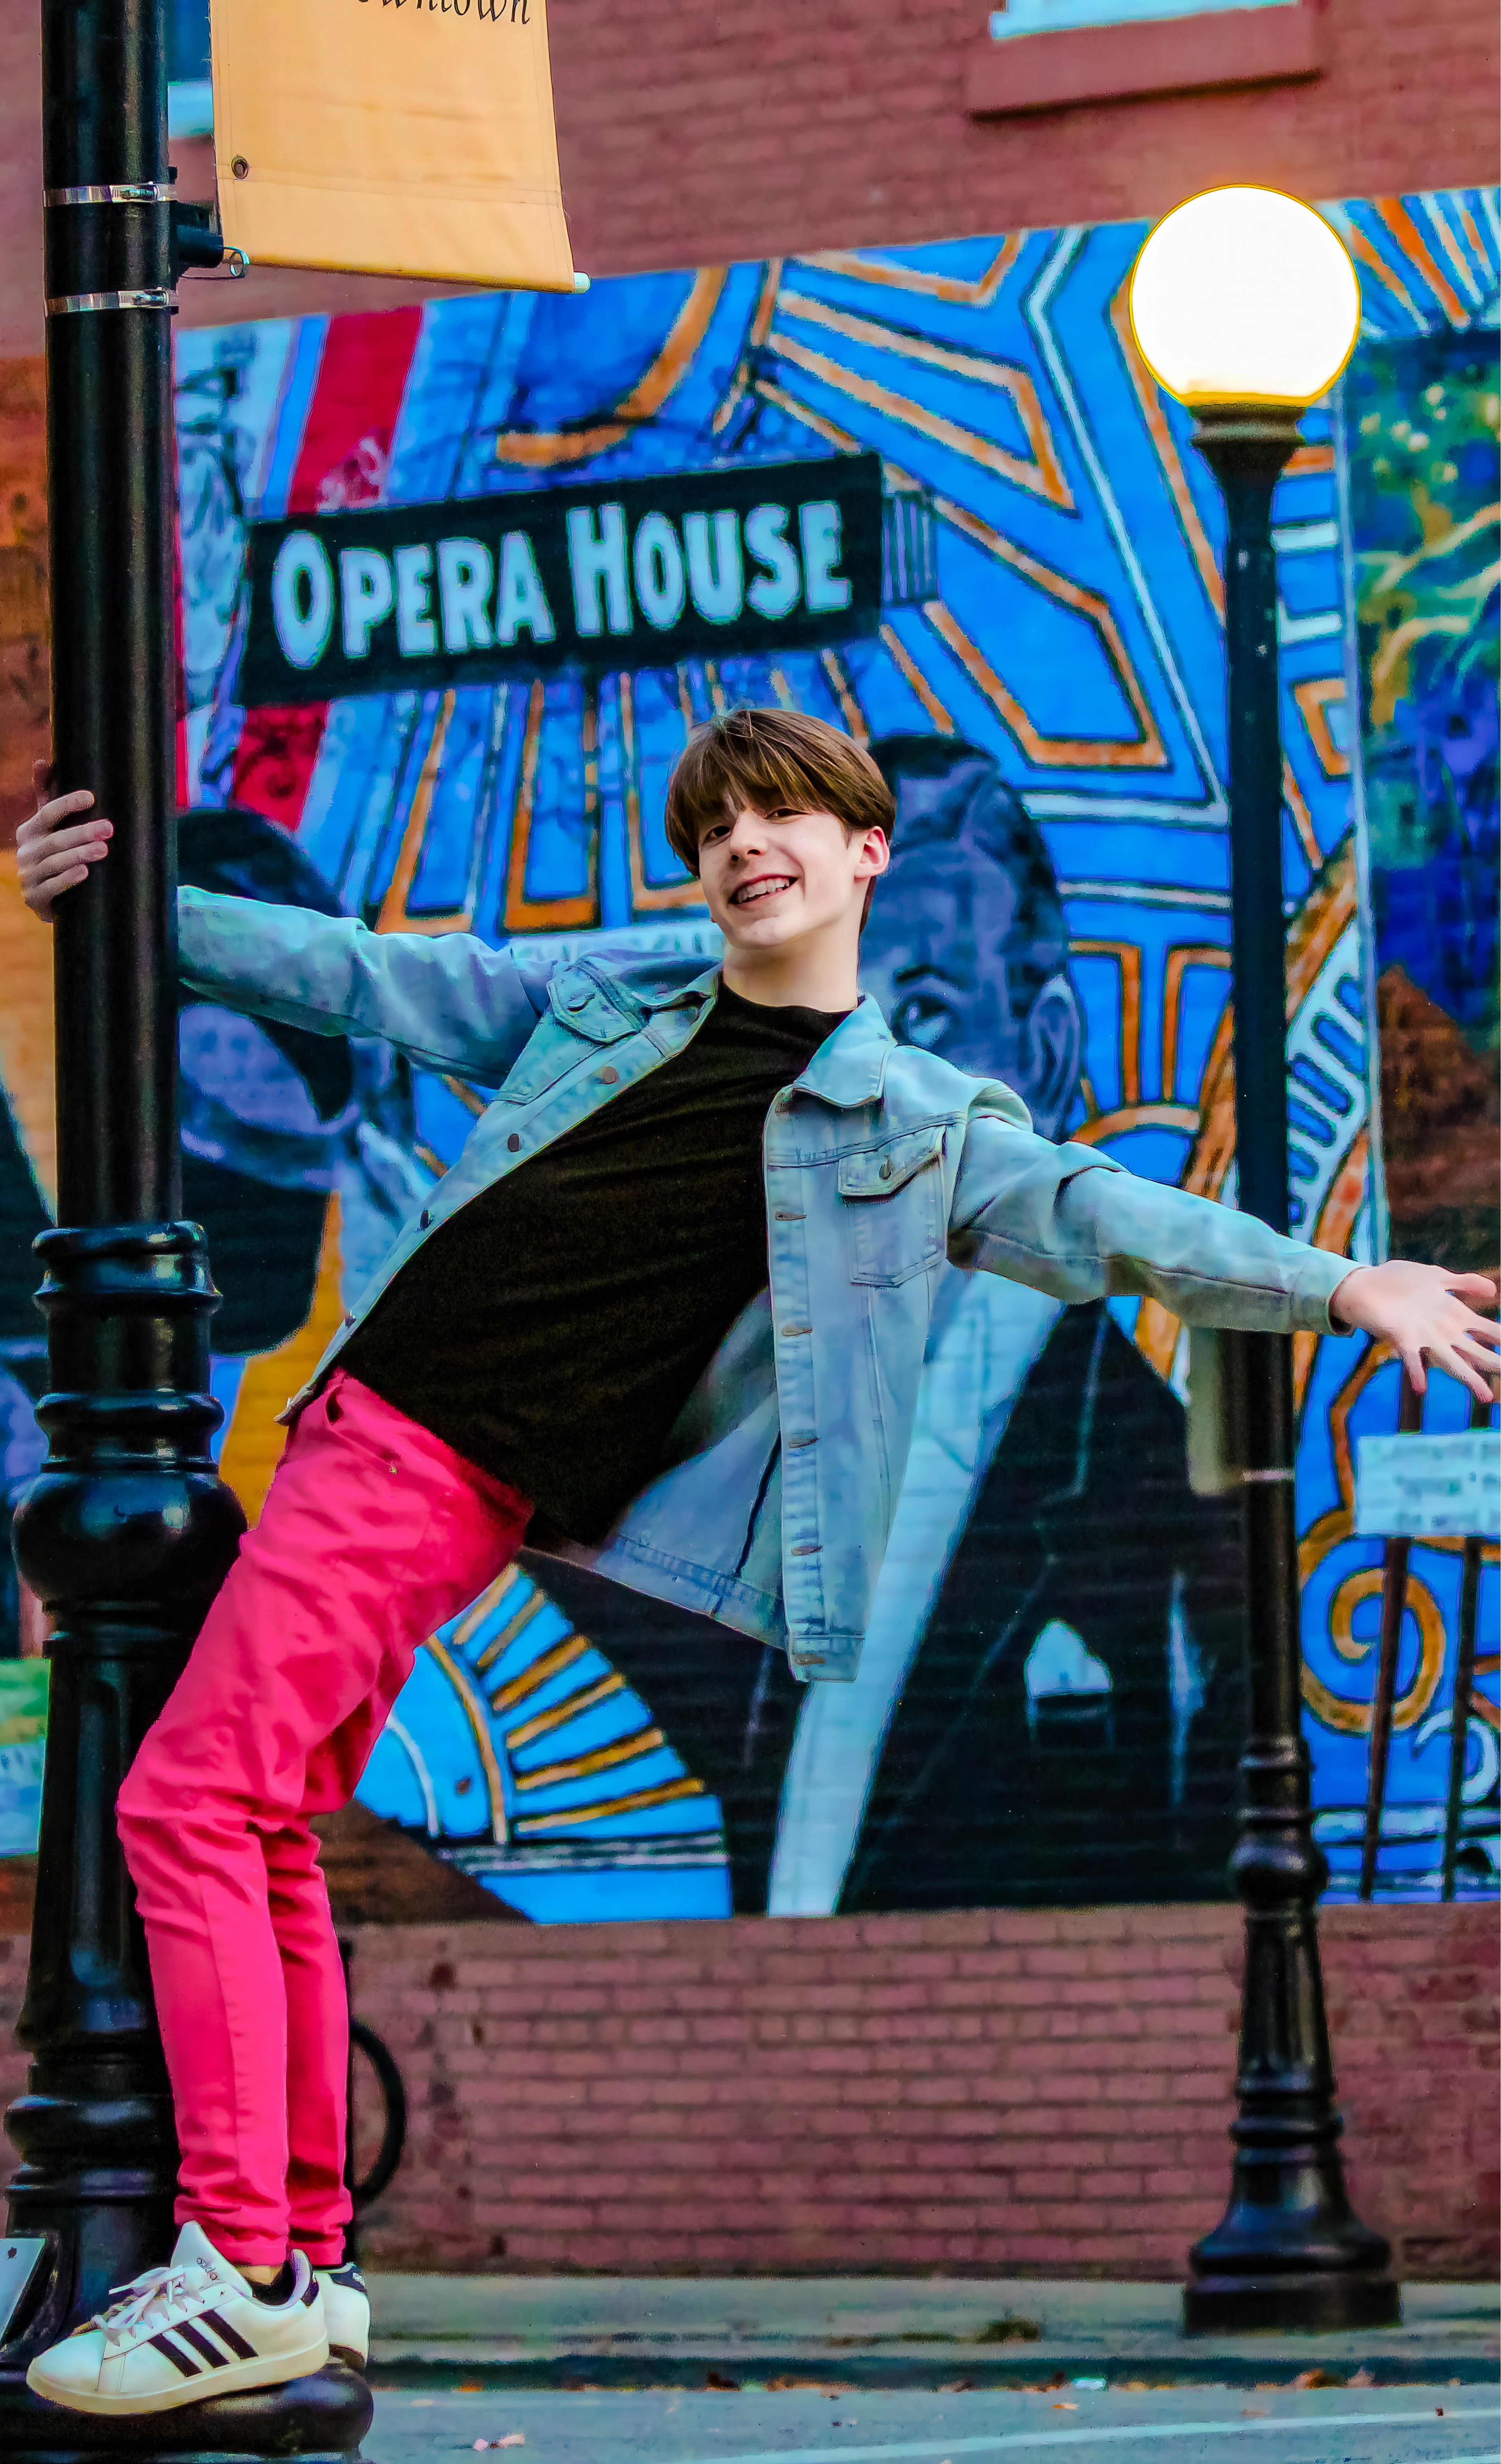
column 112, row 193
column 82, row 303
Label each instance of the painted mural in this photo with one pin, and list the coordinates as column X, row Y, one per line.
column 932, row 495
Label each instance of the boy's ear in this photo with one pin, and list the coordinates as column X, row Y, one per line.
column 876, row 849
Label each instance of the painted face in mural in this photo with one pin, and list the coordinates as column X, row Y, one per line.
column 966, row 950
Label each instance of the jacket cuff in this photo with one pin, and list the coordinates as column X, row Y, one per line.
column 1318, row 1277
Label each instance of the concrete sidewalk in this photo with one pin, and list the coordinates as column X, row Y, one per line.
column 614, row 2331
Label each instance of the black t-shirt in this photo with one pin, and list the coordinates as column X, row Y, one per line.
column 552, row 1331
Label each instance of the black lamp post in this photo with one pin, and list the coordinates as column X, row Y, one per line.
column 129, row 1530
column 1290, row 2252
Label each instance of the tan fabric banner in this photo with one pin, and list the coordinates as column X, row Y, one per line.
column 390, row 137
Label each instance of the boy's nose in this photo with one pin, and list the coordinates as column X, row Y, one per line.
column 749, row 835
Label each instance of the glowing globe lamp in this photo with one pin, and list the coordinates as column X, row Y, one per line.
column 1244, row 296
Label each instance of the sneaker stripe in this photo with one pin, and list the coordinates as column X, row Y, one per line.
column 200, row 2344
column 235, row 2341
column 163, row 2344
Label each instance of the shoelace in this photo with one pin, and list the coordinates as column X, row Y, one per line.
column 146, row 2297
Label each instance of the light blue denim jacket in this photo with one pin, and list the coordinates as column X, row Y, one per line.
column 774, row 1501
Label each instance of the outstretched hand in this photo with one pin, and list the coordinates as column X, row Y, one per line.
column 51, row 858
column 1423, row 1314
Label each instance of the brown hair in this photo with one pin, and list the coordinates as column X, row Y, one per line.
column 766, row 758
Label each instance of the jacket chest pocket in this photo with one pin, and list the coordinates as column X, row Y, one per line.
column 580, row 1022
column 895, row 1196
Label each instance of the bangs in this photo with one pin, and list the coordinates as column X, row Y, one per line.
column 763, row 758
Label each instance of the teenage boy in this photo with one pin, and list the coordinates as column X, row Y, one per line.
column 668, row 1309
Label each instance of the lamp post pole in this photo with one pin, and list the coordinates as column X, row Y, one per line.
column 127, row 1533
column 1290, row 2252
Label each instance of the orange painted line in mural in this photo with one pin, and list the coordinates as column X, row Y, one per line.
column 1182, row 956
column 548, row 1664
column 393, row 916
column 952, row 288
column 646, row 398
column 1353, row 1719
column 647, row 897
column 1046, row 476
column 1302, row 817
column 916, row 681
column 255, row 1439
column 1410, row 240
column 841, row 684
column 489, row 1600
column 639, row 1802
column 524, row 913
column 1311, row 461
column 1313, row 698
column 1438, row 209
column 1134, row 1116
column 887, row 404
column 1049, row 752
column 1364, row 254
column 759, row 328
column 474, row 1710
column 515, row 1627
column 571, row 1707
column 624, row 1749
column 1127, row 956
column 1149, row 750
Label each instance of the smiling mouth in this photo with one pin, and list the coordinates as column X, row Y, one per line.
column 766, row 887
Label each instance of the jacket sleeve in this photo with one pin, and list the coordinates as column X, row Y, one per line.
column 1076, row 1225
column 447, row 1000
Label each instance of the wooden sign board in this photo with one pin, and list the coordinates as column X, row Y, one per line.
column 404, row 137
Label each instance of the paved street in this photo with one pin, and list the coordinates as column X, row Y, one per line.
column 1079, row 2425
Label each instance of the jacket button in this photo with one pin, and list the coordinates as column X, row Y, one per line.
column 348, row 1318
column 609, row 1077
column 886, row 1169
column 513, row 1143
column 425, row 1218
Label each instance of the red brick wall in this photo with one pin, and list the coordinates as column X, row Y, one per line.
column 980, row 2092
column 690, row 132
column 976, row 2092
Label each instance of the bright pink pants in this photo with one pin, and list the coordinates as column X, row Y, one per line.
column 373, row 1533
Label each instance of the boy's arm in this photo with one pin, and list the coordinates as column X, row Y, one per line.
column 446, row 1000
column 1072, row 1222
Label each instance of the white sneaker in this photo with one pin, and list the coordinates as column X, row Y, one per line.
column 185, row 2332
column 346, row 2314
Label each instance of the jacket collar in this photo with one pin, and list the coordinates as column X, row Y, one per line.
column 849, row 1066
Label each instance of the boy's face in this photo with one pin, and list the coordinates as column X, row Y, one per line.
column 771, row 879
